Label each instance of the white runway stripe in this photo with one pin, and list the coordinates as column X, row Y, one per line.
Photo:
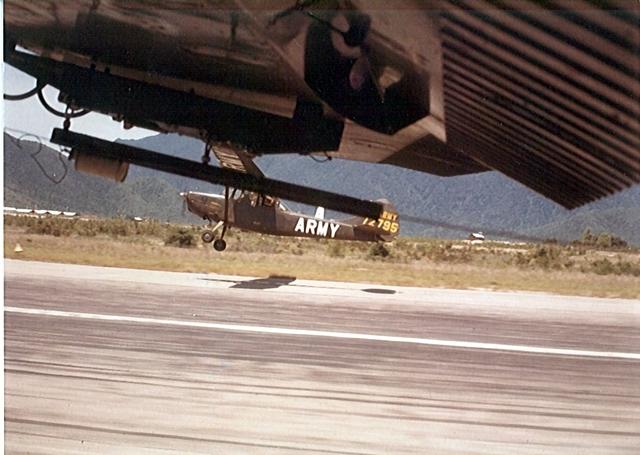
column 327, row 334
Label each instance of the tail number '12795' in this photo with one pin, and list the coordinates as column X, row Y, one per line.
column 385, row 225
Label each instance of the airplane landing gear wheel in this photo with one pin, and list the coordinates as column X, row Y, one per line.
column 219, row 245
column 207, row 236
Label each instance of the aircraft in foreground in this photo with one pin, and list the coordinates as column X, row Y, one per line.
column 253, row 211
column 268, row 215
column 547, row 93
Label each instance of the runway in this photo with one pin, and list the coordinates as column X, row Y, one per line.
column 104, row 360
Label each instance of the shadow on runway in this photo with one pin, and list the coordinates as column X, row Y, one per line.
column 379, row 291
column 276, row 281
column 271, row 282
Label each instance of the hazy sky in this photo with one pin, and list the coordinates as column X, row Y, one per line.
column 29, row 115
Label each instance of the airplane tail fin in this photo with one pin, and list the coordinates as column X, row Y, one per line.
column 387, row 227
column 319, row 213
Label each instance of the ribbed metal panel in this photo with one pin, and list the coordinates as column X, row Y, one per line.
column 546, row 92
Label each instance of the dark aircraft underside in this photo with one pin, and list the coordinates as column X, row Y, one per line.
column 547, row 93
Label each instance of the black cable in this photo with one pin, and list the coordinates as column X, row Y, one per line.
column 56, row 112
column 34, row 156
column 22, row 96
column 318, row 160
column 38, row 90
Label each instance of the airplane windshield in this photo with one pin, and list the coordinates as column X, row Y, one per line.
column 282, row 207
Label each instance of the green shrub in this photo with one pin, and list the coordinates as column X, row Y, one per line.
column 606, row 240
column 379, row 251
column 603, row 240
column 606, row 267
column 118, row 228
column 603, row 267
column 50, row 226
column 588, row 238
column 181, row 237
column 546, row 257
column 628, row 268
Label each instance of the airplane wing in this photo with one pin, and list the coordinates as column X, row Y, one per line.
column 237, row 160
column 547, row 93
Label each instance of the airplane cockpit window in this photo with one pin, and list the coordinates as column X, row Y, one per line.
column 256, row 199
column 268, row 201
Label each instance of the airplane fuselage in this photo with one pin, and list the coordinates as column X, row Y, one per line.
column 268, row 216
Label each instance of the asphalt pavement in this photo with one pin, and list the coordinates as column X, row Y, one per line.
column 106, row 360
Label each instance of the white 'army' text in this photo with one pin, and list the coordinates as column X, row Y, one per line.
column 316, row 227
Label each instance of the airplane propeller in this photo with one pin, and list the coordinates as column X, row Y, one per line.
column 183, row 195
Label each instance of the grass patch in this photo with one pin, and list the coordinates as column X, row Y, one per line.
column 574, row 269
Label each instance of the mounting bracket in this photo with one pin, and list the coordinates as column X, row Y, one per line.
column 92, row 146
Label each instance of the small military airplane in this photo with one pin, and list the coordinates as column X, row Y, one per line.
column 268, row 215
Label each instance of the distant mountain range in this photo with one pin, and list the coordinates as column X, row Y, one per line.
column 488, row 201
